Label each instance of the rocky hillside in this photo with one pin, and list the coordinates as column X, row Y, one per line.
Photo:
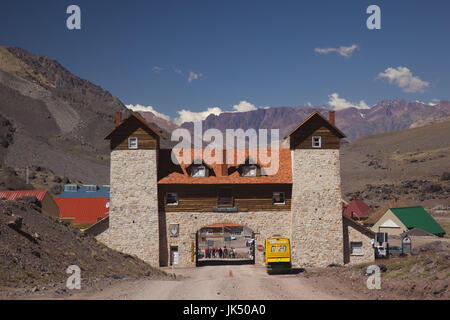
column 36, row 250
column 412, row 165
column 52, row 118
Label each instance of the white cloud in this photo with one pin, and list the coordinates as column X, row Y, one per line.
column 194, row 76
column 142, row 108
column 434, row 102
column 177, row 71
column 244, row 106
column 190, row 116
column 308, row 104
column 403, row 78
column 340, row 103
column 343, row 51
column 157, row 69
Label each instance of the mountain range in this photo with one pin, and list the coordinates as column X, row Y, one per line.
column 54, row 119
column 385, row 116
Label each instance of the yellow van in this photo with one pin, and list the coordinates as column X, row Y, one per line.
column 278, row 254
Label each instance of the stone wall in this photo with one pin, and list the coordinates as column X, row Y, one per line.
column 133, row 215
column 316, row 214
column 352, row 234
column 263, row 224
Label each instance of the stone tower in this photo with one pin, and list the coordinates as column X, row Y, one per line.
column 316, row 214
column 133, row 216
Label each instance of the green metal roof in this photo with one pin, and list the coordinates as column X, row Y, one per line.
column 418, row 217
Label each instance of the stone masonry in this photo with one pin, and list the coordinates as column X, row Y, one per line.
column 263, row 224
column 316, row 213
column 133, row 216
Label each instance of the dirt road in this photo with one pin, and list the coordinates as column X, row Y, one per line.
column 214, row 282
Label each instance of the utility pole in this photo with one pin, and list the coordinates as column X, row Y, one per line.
column 27, row 178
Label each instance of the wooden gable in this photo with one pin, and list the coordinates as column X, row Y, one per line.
column 315, row 125
column 133, row 126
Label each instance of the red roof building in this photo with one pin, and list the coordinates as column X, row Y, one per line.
column 17, row 194
column 83, row 211
column 357, row 210
column 49, row 206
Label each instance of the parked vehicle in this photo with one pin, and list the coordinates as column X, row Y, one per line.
column 395, row 251
column 380, row 252
column 278, row 254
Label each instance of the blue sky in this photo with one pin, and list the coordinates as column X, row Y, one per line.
column 261, row 52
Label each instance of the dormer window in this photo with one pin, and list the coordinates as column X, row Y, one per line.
column 317, row 142
column 249, row 171
column 133, row 143
column 198, row 171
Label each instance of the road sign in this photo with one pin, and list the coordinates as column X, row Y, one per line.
column 260, row 247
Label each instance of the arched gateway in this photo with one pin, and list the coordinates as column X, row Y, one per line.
column 224, row 243
column 157, row 207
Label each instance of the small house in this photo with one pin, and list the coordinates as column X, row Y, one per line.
column 357, row 210
column 85, row 191
column 396, row 221
column 82, row 212
column 49, row 206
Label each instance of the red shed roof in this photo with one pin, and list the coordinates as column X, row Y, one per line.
column 357, row 209
column 84, row 210
column 16, row 194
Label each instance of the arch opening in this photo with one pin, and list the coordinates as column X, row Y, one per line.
column 225, row 244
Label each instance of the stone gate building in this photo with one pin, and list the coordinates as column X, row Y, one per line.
column 157, row 206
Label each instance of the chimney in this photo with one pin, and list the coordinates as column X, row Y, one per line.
column 332, row 116
column 118, row 118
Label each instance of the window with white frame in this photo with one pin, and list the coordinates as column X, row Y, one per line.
column 278, row 198
column 132, row 143
column 356, row 248
column 198, row 171
column 317, row 142
column 249, row 171
column 172, row 199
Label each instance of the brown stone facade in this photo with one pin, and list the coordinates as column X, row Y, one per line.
column 133, row 215
column 139, row 223
column 355, row 233
column 316, row 214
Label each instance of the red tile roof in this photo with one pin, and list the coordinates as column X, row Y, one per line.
column 16, row 194
column 84, row 210
column 176, row 174
column 357, row 209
